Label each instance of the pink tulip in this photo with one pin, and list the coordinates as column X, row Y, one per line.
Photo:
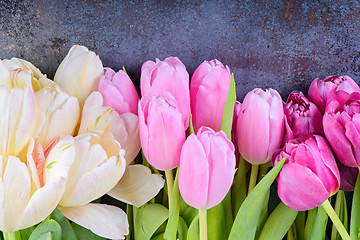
column 260, row 125
column 321, row 90
column 209, row 88
column 348, row 177
column 162, row 131
column 342, row 127
column 309, row 175
column 167, row 78
column 118, row 91
column 301, row 117
column 207, row 167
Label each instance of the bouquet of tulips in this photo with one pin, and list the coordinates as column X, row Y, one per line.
column 206, row 165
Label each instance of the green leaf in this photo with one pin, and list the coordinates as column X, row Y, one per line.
column 310, row 223
column 300, row 225
column 193, row 232
column 84, row 233
column 263, row 215
column 278, row 223
column 158, row 237
column 355, row 209
column 67, row 233
column 45, row 229
column 216, row 228
column 227, row 118
column 173, row 222
column 319, row 228
column 129, row 212
column 191, row 126
column 340, row 206
column 148, row 219
column 182, row 229
column 239, row 188
column 189, row 215
column 25, row 233
column 246, row 220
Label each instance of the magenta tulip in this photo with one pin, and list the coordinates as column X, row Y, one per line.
column 309, row 175
column 118, row 91
column 207, row 167
column 260, row 125
column 348, row 177
column 301, row 117
column 167, row 78
column 209, row 88
column 321, row 90
column 162, row 131
column 342, row 127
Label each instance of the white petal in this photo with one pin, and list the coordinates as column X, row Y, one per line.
column 137, row 186
column 103, row 220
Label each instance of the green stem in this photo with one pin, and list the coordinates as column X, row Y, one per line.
column 338, row 204
column 203, row 224
column 263, row 171
column 335, row 219
column 290, row 234
column 170, row 183
column 253, row 177
column 12, row 235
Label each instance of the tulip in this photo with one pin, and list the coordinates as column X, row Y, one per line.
column 118, row 91
column 168, row 79
column 162, row 131
column 124, row 127
column 309, row 175
column 321, row 90
column 207, row 167
column 260, row 125
column 342, row 127
column 209, row 88
column 31, row 186
column 79, row 73
column 301, row 117
column 348, row 177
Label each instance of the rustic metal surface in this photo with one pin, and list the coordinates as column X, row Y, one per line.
column 278, row 44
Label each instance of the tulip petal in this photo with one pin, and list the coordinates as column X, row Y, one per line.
column 17, row 187
column 103, row 220
column 137, row 186
column 300, row 188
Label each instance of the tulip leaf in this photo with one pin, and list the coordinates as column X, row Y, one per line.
column 355, row 209
column 239, row 188
column 158, row 237
column 300, row 225
column 319, row 228
column 182, row 229
column 227, row 118
column 263, row 215
column 193, row 232
column 49, row 228
column 278, row 223
column 148, row 219
column 310, row 223
column 25, row 233
column 191, row 126
column 246, row 220
column 67, row 233
column 173, row 222
column 216, row 228
column 84, row 233
column 129, row 213
column 189, row 215
column 341, row 211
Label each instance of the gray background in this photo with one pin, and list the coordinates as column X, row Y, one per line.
column 278, row 44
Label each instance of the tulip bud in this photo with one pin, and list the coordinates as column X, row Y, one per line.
column 168, row 79
column 260, row 125
column 79, row 73
column 348, row 176
column 162, row 131
column 342, row 127
column 209, row 88
column 309, row 175
column 118, row 91
column 207, row 167
column 321, row 90
column 301, row 117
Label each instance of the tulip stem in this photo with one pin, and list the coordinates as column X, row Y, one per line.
column 335, row 219
column 253, row 177
column 203, row 224
column 263, row 171
column 11, row 235
column 170, row 184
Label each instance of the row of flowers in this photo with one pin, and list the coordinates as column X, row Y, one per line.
column 65, row 143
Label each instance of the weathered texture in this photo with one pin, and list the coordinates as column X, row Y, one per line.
column 278, row 44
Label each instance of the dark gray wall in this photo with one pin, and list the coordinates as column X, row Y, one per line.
column 278, row 44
